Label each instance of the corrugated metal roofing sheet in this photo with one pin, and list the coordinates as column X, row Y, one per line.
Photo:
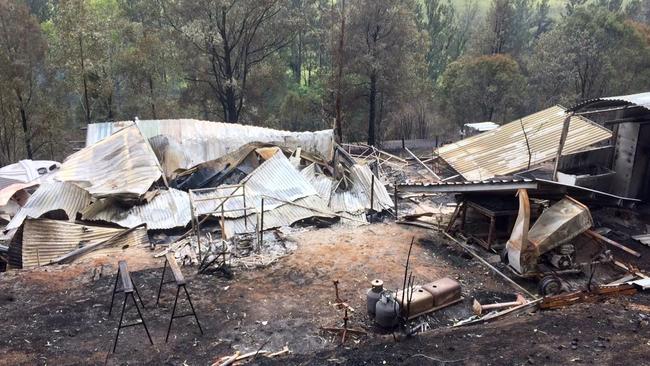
column 25, row 171
column 184, row 143
column 357, row 198
column 275, row 177
column 504, row 151
column 283, row 215
column 45, row 240
column 121, row 165
column 640, row 99
column 322, row 183
column 49, row 197
column 168, row 209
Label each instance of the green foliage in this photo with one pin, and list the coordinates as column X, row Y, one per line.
column 592, row 52
column 483, row 88
column 409, row 68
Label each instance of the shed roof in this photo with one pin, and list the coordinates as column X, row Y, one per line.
column 504, row 150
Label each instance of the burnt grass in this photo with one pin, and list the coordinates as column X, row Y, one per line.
column 59, row 315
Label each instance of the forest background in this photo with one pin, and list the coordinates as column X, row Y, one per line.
column 373, row 70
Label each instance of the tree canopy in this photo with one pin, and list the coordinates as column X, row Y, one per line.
column 375, row 69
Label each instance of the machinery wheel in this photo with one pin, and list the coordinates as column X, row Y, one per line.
column 550, row 285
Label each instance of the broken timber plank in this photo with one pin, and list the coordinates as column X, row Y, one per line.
column 628, row 268
column 613, row 243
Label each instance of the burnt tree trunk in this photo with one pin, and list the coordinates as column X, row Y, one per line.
column 338, row 132
column 372, row 107
column 25, row 125
column 152, row 96
column 85, row 81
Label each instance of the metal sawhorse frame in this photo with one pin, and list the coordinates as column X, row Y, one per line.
column 124, row 277
column 180, row 282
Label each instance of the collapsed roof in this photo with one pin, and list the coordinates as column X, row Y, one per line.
column 184, row 143
column 121, row 165
column 504, row 150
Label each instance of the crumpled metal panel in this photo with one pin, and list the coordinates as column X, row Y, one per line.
column 44, row 240
column 504, row 150
column 25, row 171
column 168, row 209
column 284, row 215
column 275, row 178
column 122, row 165
column 49, row 197
column 357, row 198
column 322, row 183
column 184, row 143
column 557, row 225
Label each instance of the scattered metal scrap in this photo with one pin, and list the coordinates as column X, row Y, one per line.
column 340, row 304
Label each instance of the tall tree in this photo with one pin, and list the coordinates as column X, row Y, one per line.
column 22, row 55
column 512, row 25
column 229, row 38
column 592, row 52
column 385, row 47
column 484, row 88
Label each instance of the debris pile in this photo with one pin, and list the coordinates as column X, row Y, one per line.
column 238, row 181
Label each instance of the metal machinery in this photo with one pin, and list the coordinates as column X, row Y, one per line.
column 545, row 250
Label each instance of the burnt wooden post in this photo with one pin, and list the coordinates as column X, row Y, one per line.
column 262, row 224
column 395, row 197
column 372, row 193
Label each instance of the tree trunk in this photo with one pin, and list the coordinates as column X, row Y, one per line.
column 231, row 106
column 372, row 101
column 26, row 134
column 151, row 95
column 85, row 82
column 338, row 132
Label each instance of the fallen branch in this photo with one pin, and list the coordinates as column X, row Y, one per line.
column 279, row 353
column 250, row 354
column 229, row 360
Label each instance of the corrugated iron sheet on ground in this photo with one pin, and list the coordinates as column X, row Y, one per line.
column 284, row 215
column 184, row 143
column 45, row 240
column 275, row 177
column 167, row 210
column 504, row 150
column 49, row 197
column 122, row 165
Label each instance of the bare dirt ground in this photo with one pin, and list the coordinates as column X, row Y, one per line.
column 59, row 314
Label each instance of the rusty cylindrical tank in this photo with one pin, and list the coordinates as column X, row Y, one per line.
column 373, row 294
